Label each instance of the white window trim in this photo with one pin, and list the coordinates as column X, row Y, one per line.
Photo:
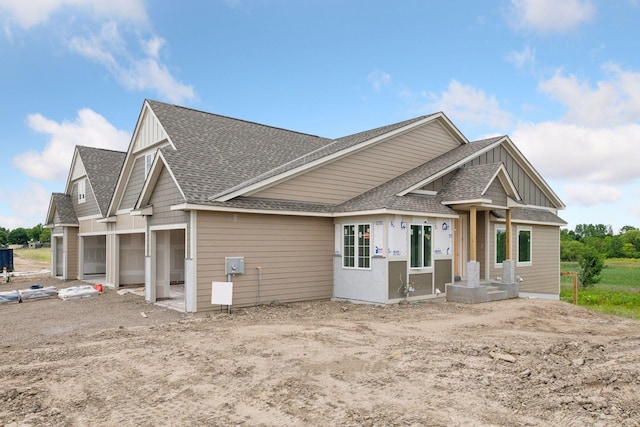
column 82, row 191
column 422, row 269
column 530, row 262
column 356, row 246
column 495, row 245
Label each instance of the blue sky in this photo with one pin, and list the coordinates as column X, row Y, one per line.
column 561, row 78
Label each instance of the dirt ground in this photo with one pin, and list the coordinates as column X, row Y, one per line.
column 115, row 360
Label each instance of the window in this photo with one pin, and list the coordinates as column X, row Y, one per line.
column 420, row 246
column 148, row 160
column 524, row 246
column 81, row 191
column 501, row 245
column 356, row 248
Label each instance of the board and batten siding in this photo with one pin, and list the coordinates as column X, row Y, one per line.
column 345, row 178
column 543, row 275
column 531, row 194
column 90, row 205
column 150, row 132
column 134, row 185
column 295, row 255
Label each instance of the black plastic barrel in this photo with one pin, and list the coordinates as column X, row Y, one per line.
column 6, row 259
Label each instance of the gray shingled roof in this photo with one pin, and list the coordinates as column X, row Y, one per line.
column 63, row 206
column 529, row 214
column 336, row 146
column 103, row 168
column 214, row 153
column 385, row 195
column 467, row 183
column 243, row 152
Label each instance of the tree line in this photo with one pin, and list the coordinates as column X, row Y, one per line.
column 601, row 239
column 22, row 236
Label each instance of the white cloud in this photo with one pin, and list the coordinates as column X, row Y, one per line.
column 551, row 16
column 592, row 195
column 611, row 102
column 28, row 13
column 572, row 152
column 25, row 206
column 520, row 59
column 134, row 73
column 135, row 68
column 378, row 78
column 465, row 103
column 52, row 163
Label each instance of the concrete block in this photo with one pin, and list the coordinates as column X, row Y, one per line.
column 508, row 271
column 473, row 274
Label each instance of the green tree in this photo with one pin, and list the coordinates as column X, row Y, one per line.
column 591, row 230
column 18, row 236
column 590, row 265
column 45, row 236
column 34, row 233
column 633, row 237
column 627, row 228
column 4, row 236
column 629, row 251
column 613, row 247
column 571, row 250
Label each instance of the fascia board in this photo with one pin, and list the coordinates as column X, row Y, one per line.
column 514, row 204
column 530, row 222
column 152, row 179
column 107, row 220
column 64, row 224
column 524, row 163
column 243, row 189
column 395, row 212
column 505, row 180
column 448, row 169
column 76, row 154
column 130, row 160
column 50, row 211
column 196, row 207
column 467, row 202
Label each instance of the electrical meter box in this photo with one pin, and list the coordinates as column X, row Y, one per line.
column 235, row 265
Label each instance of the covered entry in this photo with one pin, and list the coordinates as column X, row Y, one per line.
column 167, row 272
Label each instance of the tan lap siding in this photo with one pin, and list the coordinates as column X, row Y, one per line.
column 347, row 177
column 295, row 255
column 134, row 185
column 72, row 253
column 543, row 276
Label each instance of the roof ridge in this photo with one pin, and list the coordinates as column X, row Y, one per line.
column 236, row 119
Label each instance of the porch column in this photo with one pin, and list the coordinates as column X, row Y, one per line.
column 472, row 233
column 508, row 235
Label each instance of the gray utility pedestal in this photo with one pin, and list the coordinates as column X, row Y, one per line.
column 474, row 290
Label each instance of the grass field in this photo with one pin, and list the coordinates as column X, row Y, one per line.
column 618, row 292
column 40, row 254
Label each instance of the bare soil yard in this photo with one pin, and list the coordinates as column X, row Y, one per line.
column 99, row 361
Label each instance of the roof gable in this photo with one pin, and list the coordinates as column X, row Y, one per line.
column 471, row 184
column 212, row 153
column 101, row 167
column 60, row 205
